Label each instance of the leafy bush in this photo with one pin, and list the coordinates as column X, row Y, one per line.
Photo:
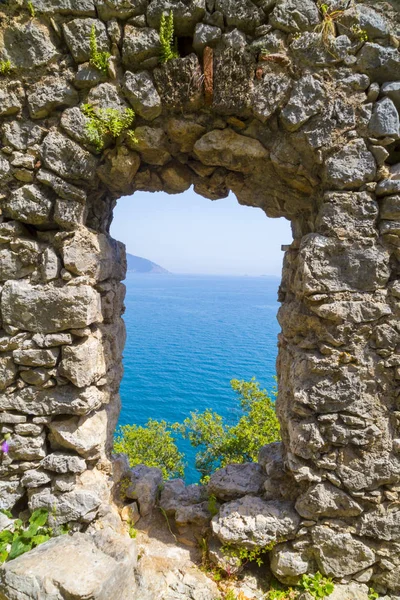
column 317, row 585
column 98, row 59
column 25, row 536
column 220, row 443
column 107, row 122
column 153, row 445
column 169, row 49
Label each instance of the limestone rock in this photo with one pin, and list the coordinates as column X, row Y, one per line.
column 386, row 187
column 326, row 500
column 8, row 371
column 186, row 14
column 93, row 254
column 295, row 15
column 330, row 270
column 65, row 400
column 85, row 435
column 65, row 7
column 380, row 63
column 288, row 565
column 179, row 83
column 83, row 363
column 390, row 207
column 57, row 462
column 88, row 77
column 270, row 94
column 48, row 309
column 177, row 178
column 234, row 481
column 385, row 120
column 382, row 523
column 205, row 35
column 252, row 522
column 175, row 494
column 10, row 99
column 144, row 487
column 67, row 159
column 351, row 167
column 29, row 45
column 241, row 14
column 348, row 215
column 151, row 144
column 373, row 22
column 77, row 35
column 307, row 99
column 79, row 566
column 22, row 135
column 140, row 45
column 119, row 169
column 62, row 188
column 10, row 493
column 243, row 155
column 142, row 94
column 28, row 448
column 50, row 94
column 340, row 554
column 351, row 591
column 36, row 358
column 391, row 90
column 185, row 133
column 30, row 204
column 35, row 478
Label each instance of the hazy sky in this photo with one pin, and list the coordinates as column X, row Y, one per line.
column 186, row 233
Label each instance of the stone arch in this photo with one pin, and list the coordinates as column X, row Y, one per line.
column 258, row 105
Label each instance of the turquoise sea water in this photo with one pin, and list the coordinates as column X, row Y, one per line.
column 188, row 336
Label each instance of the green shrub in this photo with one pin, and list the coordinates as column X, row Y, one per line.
column 25, row 535
column 153, row 445
column 220, row 443
column 105, row 122
column 317, row 585
column 5, row 67
column 169, row 49
column 99, row 60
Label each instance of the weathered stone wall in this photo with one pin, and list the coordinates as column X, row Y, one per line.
column 303, row 130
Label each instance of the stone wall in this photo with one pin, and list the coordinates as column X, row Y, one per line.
column 290, row 123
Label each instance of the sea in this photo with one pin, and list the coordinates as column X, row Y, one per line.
column 187, row 337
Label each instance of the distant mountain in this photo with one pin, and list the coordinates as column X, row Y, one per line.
column 136, row 264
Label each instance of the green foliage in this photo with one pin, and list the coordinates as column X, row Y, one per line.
column 244, row 555
column 98, row 59
column 31, row 9
column 153, row 445
column 105, row 122
column 230, row 595
column 359, row 33
column 220, row 443
column 327, row 27
column 169, row 49
column 282, row 594
column 213, row 507
column 132, row 530
column 372, row 594
column 317, row 585
column 5, row 67
column 25, row 536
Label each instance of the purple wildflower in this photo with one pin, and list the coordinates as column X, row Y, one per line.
column 5, row 447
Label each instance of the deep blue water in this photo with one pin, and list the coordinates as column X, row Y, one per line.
column 188, row 336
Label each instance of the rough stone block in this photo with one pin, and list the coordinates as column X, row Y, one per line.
column 48, row 309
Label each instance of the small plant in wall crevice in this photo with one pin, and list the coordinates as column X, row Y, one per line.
column 98, row 59
column 169, row 47
column 105, row 122
column 25, row 536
